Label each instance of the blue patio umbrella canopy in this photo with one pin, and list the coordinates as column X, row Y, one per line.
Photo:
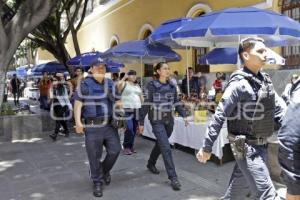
column 31, row 72
column 50, row 67
column 140, row 51
column 113, row 69
column 84, row 60
column 21, row 71
column 226, row 27
column 220, row 56
column 162, row 34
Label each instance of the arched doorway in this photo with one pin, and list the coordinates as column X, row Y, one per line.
column 114, row 41
column 144, row 33
column 291, row 8
column 196, row 11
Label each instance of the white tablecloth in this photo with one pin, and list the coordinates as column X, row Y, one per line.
column 32, row 93
column 191, row 136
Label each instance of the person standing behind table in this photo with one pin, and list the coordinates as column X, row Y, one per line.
column 217, row 84
column 202, row 80
column 96, row 98
column 161, row 98
column 250, row 105
column 286, row 93
column 289, row 144
column 193, row 84
column 44, row 86
column 132, row 98
column 15, row 85
column 61, row 105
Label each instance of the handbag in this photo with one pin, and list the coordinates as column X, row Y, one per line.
column 118, row 121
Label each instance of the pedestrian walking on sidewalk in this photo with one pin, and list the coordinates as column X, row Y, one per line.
column 250, row 105
column 289, row 144
column 96, row 98
column 60, row 105
column 131, row 97
column 15, row 85
column 161, row 98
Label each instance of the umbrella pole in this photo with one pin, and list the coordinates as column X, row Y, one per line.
column 141, row 59
column 239, row 64
column 187, row 71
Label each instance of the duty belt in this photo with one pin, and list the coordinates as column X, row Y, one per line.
column 166, row 114
column 257, row 141
column 252, row 141
column 98, row 121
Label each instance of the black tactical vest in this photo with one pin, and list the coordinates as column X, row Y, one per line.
column 163, row 100
column 259, row 121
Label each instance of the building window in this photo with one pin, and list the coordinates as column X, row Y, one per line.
column 291, row 8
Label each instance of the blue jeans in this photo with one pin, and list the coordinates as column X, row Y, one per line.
column 162, row 131
column 44, row 103
column 95, row 139
column 251, row 176
column 131, row 125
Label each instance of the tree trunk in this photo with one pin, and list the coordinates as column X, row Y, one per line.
column 4, row 61
column 75, row 42
column 28, row 16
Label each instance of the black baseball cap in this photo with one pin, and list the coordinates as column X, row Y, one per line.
column 131, row 72
column 98, row 61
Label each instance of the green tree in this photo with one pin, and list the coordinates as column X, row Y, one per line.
column 53, row 32
column 15, row 24
column 27, row 50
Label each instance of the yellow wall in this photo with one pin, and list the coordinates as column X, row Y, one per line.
column 126, row 18
column 44, row 56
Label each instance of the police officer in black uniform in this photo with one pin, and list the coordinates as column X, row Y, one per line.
column 96, row 98
column 161, row 98
column 289, row 144
column 250, row 105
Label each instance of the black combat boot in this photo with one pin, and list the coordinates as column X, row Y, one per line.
column 97, row 190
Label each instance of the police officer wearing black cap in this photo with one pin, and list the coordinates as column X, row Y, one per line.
column 161, row 98
column 95, row 98
column 289, row 144
column 250, row 106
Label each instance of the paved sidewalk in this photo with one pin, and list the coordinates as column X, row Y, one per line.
column 42, row 169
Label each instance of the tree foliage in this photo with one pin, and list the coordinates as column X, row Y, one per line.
column 52, row 34
column 15, row 24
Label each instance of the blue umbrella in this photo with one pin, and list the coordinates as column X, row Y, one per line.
column 21, row 71
column 113, row 69
column 140, row 51
column 162, row 34
column 50, row 67
column 31, row 72
column 84, row 60
column 220, row 56
column 226, row 28
column 230, row 56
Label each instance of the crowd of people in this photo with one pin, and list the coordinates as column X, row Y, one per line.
column 247, row 101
